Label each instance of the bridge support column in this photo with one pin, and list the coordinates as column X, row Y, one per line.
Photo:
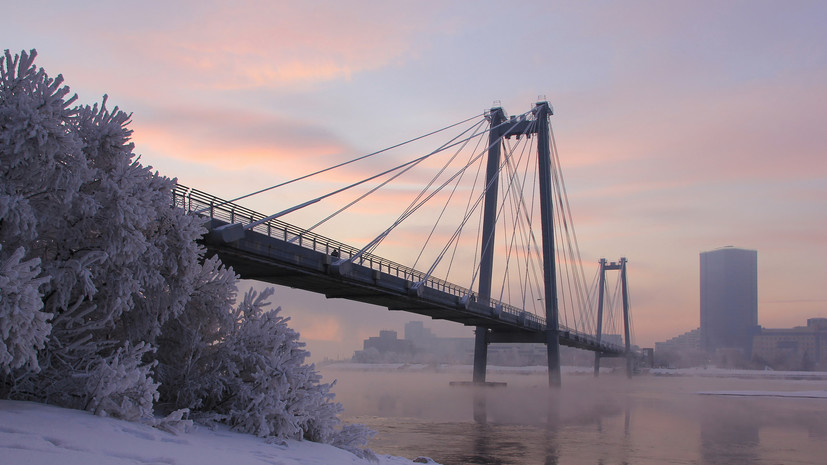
column 626, row 327
column 600, row 298
column 553, row 352
column 496, row 117
column 542, row 111
column 480, row 354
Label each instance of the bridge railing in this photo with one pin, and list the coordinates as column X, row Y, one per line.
column 193, row 200
column 207, row 205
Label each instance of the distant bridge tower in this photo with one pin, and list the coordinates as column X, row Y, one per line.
column 601, row 297
column 500, row 131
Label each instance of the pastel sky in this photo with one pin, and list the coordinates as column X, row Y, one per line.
column 682, row 126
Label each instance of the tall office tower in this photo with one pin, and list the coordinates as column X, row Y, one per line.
column 729, row 299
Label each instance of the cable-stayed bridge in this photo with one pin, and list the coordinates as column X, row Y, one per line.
column 267, row 248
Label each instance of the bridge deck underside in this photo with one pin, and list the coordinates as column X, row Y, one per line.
column 262, row 258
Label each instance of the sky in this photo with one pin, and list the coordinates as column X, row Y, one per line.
column 681, row 126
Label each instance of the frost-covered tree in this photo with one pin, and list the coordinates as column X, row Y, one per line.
column 23, row 324
column 41, row 167
column 247, row 368
column 190, row 346
column 106, row 301
column 116, row 258
column 244, row 366
column 271, row 390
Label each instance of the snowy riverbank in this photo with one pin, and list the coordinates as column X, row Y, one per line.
column 37, row 434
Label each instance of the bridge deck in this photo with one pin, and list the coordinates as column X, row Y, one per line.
column 279, row 253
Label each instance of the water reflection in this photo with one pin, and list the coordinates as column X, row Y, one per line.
column 612, row 421
column 627, row 419
column 492, row 446
column 522, row 425
column 552, row 453
column 480, row 405
column 728, row 434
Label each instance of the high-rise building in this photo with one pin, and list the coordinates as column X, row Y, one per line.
column 729, row 299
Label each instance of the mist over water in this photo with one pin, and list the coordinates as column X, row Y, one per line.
column 608, row 420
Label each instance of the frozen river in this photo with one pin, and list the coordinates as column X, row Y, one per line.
column 609, row 420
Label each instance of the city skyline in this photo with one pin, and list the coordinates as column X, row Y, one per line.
column 681, row 128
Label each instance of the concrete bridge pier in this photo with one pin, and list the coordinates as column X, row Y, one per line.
column 480, row 354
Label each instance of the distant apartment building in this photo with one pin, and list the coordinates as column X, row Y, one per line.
column 798, row 348
column 681, row 351
column 688, row 341
column 420, row 345
column 729, row 300
column 387, row 343
column 417, row 332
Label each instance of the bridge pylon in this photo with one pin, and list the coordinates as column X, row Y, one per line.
column 496, row 117
column 614, row 266
column 499, row 131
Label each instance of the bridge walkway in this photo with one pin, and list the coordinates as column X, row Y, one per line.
column 277, row 252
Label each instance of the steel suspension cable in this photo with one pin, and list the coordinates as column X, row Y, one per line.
column 444, row 250
column 616, row 308
column 525, row 222
column 567, row 277
column 415, row 206
column 467, row 207
column 342, row 164
column 576, row 252
column 457, row 232
column 577, row 278
column 408, row 212
column 515, row 232
column 510, row 235
column 355, row 184
column 632, row 336
column 594, row 291
column 532, row 245
column 454, row 237
column 516, row 206
column 559, row 253
column 530, row 241
column 384, row 183
column 488, row 242
column 448, row 201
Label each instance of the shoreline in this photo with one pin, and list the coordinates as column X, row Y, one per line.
column 709, row 372
column 41, row 434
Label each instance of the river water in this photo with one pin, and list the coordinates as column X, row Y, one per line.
column 608, row 420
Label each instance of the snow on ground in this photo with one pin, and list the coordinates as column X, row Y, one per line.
column 804, row 394
column 37, row 434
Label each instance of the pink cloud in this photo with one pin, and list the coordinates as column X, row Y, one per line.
column 234, row 139
column 261, row 44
